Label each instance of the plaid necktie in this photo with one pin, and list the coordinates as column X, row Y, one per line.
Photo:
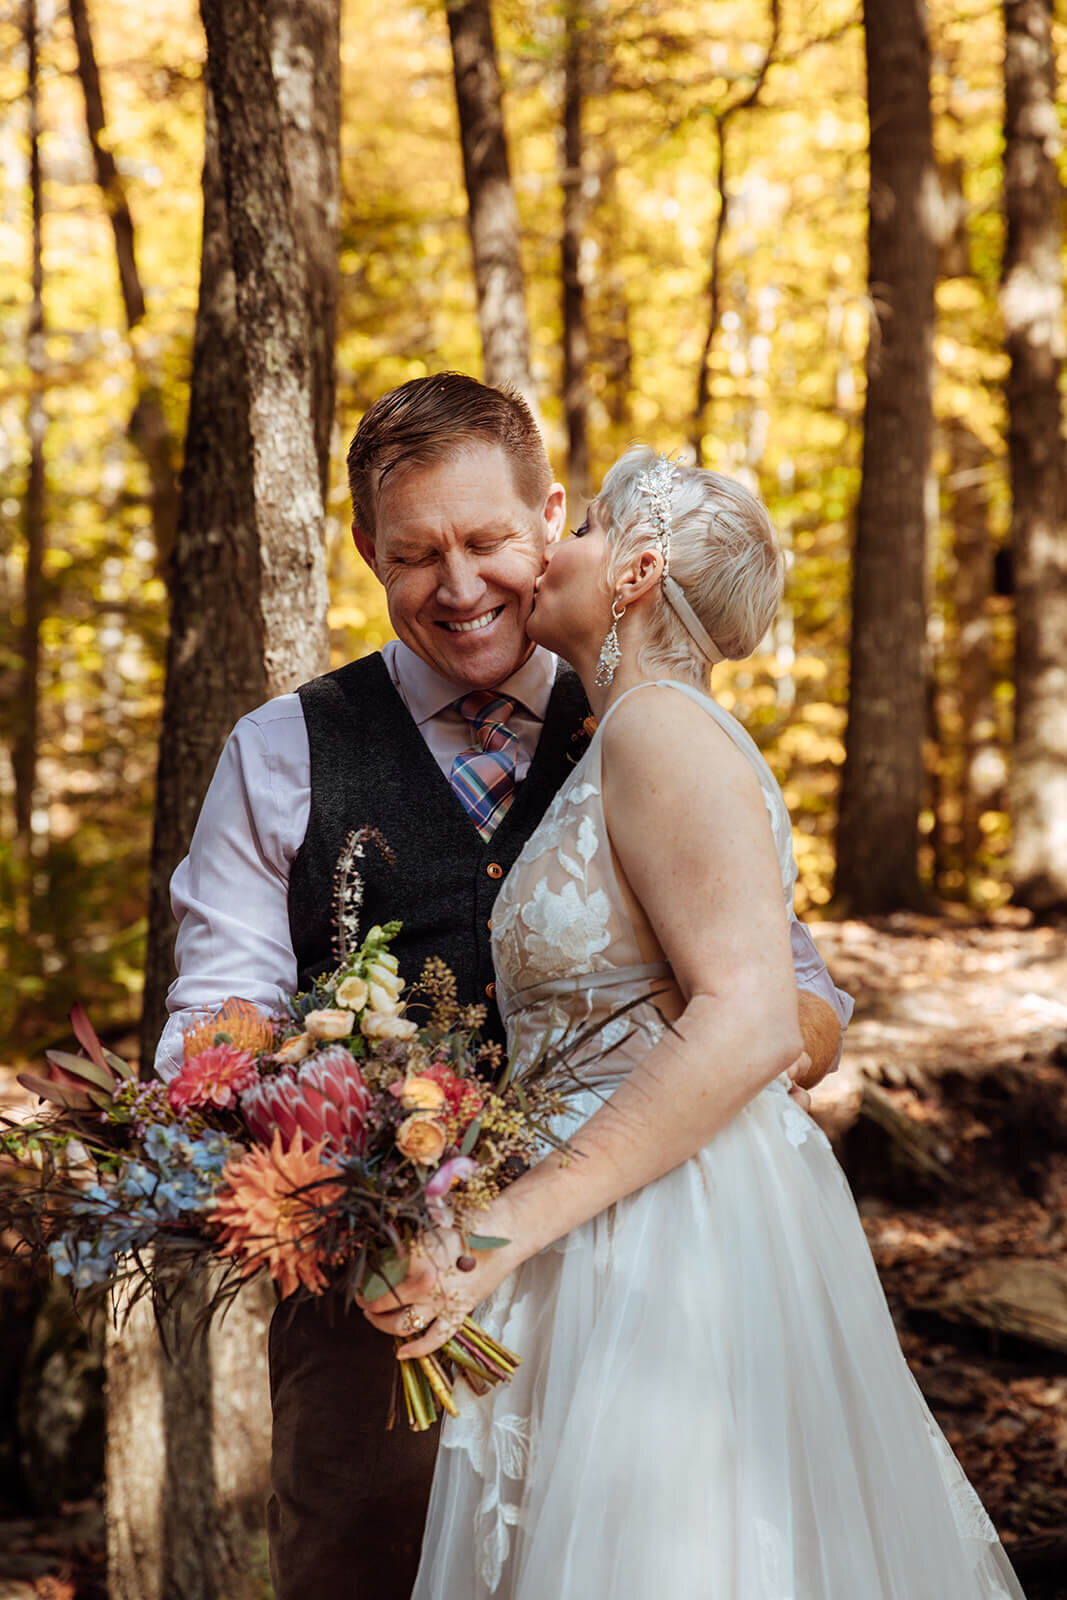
column 483, row 777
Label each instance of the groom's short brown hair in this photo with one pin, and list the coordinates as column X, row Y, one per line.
column 429, row 420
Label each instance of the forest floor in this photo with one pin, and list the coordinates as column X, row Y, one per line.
column 949, row 1114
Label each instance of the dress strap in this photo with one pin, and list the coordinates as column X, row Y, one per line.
column 583, row 981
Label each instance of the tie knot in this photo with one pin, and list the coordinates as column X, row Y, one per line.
column 482, row 706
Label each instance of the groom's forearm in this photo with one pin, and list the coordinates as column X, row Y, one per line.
column 822, row 1037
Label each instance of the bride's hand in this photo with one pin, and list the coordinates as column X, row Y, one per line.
column 435, row 1294
column 798, row 1074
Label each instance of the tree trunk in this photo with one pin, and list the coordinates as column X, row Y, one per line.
column 188, row 1453
column 882, row 781
column 306, row 58
column 186, row 1491
column 575, row 335
column 618, row 344
column 722, row 119
column 28, row 694
column 148, row 425
column 714, row 295
column 982, row 763
column 492, row 214
column 249, row 564
column 1032, row 303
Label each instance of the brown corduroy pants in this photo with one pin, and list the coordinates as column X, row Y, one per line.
column 349, row 1498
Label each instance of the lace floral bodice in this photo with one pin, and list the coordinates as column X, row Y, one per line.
column 560, row 914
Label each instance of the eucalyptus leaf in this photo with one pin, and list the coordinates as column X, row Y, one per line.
column 392, row 1269
column 470, row 1138
column 484, row 1241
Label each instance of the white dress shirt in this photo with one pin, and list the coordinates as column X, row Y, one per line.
column 231, row 893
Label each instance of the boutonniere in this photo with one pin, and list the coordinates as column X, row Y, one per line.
column 580, row 739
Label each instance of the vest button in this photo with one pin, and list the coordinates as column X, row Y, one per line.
column 495, row 870
column 490, row 990
column 489, row 924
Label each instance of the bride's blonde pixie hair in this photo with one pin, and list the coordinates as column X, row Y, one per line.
column 723, row 552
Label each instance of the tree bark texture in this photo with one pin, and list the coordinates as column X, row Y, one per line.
column 492, row 214
column 188, row 1450
column 28, row 696
column 186, row 1493
column 882, row 781
column 1033, row 309
column 575, row 333
column 149, row 429
column 249, row 567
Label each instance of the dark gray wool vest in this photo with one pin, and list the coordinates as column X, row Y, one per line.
column 370, row 767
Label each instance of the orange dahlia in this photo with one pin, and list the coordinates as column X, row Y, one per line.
column 268, row 1210
column 245, row 1026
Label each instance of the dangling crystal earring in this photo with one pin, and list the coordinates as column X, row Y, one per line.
column 610, row 654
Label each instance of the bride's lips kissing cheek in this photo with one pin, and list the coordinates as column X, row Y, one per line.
column 458, row 550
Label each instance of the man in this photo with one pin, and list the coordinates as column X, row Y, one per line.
column 454, row 505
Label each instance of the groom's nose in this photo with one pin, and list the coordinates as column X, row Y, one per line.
column 460, row 582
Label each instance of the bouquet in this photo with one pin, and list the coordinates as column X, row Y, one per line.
column 313, row 1145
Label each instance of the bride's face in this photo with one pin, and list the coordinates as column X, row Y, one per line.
column 572, row 596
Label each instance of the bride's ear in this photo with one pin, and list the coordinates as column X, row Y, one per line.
column 640, row 577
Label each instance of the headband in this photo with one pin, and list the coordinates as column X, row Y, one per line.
column 656, row 484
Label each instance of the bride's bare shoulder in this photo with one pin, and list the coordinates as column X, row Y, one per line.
column 661, row 729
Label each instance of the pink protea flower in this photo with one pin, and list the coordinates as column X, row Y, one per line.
column 325, row 1098
column 213, row 1077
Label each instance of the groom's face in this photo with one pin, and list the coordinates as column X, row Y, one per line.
column 459, row 551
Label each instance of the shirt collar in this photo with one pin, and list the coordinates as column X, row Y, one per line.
column 427, row 693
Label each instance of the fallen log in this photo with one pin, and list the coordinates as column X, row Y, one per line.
column 1016, row 1295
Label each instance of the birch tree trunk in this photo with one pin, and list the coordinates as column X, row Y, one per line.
column 1032, row 304
column 492, row 214
column 882, row 781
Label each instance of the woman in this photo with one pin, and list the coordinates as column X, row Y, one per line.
column 712, row 1400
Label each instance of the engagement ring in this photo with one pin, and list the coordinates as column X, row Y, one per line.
column 413, row 1323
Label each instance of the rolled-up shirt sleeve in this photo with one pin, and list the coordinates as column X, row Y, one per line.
column 230, row 894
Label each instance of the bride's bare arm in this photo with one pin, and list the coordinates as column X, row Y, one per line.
column 691, row 833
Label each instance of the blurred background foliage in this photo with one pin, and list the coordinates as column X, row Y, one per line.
column 784, row 410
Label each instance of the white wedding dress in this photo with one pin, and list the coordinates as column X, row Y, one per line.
column 712, row 1403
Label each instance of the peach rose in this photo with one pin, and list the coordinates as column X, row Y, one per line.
column 330, row 1024
column 421, row 1139
column 375, row 1025
column 295, row 1049
column 351, row 993
column 421, row 1094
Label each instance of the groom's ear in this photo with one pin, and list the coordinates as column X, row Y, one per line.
column 365, row 546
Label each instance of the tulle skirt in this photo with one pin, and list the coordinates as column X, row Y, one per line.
column 712, row 1404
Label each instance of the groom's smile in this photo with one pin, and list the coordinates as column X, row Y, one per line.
column 458, row 550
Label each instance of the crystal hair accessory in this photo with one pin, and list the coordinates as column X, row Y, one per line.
column 656, row 484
